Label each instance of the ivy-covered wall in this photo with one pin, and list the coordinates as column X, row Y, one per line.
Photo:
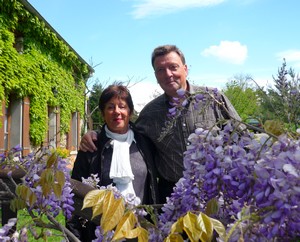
column 47, row 71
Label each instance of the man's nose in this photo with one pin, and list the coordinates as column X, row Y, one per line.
column 168, row 72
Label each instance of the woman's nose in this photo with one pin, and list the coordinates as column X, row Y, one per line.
column 117, row 109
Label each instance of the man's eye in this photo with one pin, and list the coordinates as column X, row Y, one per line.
column 174, row 67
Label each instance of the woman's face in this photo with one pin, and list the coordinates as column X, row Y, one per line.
column 117, row 115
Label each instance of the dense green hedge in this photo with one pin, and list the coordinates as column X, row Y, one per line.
column 46, row 64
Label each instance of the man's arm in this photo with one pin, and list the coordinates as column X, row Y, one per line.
column 87, row 141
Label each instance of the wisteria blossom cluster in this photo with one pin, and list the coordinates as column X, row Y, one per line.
column 252, row 183
column 45, row 188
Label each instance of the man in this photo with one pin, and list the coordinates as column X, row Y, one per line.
column 171, row 73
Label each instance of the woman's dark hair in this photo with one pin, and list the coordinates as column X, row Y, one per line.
column 115, row 90
column 166, row 49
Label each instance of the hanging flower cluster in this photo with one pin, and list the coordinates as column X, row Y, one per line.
column 252, row 186
column 45, row 188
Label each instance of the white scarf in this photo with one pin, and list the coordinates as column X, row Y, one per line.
column 120, row 168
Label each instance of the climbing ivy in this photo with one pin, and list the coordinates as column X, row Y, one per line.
column 47, row 71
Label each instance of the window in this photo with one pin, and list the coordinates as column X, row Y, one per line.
column 52, row 129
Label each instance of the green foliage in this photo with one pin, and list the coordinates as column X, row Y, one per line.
column 94, row 103
column 242, row 96
column 62, row 152
column 46, row 64
column 24, row 219
column 280, row 102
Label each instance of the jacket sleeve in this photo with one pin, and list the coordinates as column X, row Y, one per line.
column 81, row 166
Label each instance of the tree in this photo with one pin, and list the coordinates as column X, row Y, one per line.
column 93, row 103
column 280, row 101
column 243, row 96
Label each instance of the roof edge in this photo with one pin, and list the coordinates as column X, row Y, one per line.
column 32, row 10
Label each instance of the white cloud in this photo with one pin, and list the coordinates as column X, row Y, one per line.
column 158, row 7
column 229, row 51
column 291, row 56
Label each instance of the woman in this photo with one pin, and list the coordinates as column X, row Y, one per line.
column 123, row 158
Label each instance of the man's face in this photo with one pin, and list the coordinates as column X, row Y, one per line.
column 170, row 73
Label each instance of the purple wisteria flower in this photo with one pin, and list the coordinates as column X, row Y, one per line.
column 256, row 183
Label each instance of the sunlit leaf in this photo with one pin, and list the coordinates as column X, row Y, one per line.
column 190, row 226
column 93, row 198
column 174, row 238
column 177, row 226
column 126, row 223
column 143, row 236
column 98, row 208
column 206, row 227
column 113, row 211
column 139, row 233
column 219, row 228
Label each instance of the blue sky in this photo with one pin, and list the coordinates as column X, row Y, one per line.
column 220, row 38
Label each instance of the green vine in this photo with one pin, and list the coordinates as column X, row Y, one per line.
column 47, row 71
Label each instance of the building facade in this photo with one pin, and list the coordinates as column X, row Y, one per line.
column 42, row 82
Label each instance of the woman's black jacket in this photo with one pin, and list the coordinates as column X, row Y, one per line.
column 88, row 163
